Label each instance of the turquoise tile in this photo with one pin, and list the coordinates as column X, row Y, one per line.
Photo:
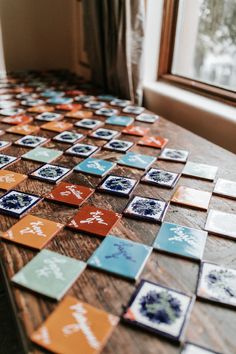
column 120, row 120
column 42, row 154
column 181, row 240
column 121, row 257
column 139, row 161
column 94, row 166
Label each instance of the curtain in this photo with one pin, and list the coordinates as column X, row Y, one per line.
column 114, row 40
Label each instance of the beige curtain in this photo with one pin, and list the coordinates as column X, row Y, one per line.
column 114, row 39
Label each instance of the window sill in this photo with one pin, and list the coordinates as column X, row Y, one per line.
column 206, row 117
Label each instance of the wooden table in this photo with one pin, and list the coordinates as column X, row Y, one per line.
column 210, row 325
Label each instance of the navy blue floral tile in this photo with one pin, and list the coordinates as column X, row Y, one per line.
column 120, row 103
column 107, row 112
column 82, row 150
column 118, row 185
column 87, row 123
column 49, row 116
column 104, row 134
column 6, row 160
column 161, row 178
column 174, row 155
column 133, row 109
column 118, row 145
column 94, row 105
column 31, row 141
column 50, row 173
column 15, row 203
column 68, row 137
column 4, row 144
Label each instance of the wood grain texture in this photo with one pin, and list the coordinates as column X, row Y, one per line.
column 210, row 325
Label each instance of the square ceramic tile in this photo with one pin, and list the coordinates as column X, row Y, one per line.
column 6, row 106
column 42, row 154
column 94, row 220
column 31, row 141
column 174, row 155
column 50, row 173
column 32, row 231
column 7, row 160
column 159, row 309
column 121, row 257
column 69, row 107
column 9, row 179
column 135, row 130
column 4, row 144
column 68, row 137
column 120, row 120
column 120, row 103
column 221, row 223
column 94, row 105
column 190, row 348
column 79, row 114
column 25, row 129
column 31, row 102
column 181, row 240
column 41, row 109
column 71, row 194
column 94, row 166
column 59, row 100
column 16, row 204
column 11, row 111
column 217, row 284
column 49, row 116
column 84, row 98
column 225, row 188
column 50, row 274
column 191, row 197
column 200, row 170
column 75, row 327
column 107, row 112
column 119, row 185
column 104, row 134
column 21, row 119
column 133, row 110
column 148, row 209
column 153, row 141
column 51, row 93
column 161, row 178
column 106, row 97
column 82, row 150
column 59, row 127
column 147, row 118
column 89, row 123
column 135, row 160
column 118, row 145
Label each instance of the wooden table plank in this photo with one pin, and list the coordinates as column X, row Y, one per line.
column 210, row 325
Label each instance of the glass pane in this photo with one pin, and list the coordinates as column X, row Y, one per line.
column 205, row 44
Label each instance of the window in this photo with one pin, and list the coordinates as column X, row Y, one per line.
column 198, row 46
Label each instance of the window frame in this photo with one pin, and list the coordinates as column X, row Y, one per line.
column 168, row 33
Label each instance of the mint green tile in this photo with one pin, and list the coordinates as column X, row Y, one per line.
column 42, row 154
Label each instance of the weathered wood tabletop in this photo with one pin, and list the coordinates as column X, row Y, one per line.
column 210, row 325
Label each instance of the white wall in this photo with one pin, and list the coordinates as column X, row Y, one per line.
column 37, row 34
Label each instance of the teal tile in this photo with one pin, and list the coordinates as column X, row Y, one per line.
column 94, row 166
column 50, row 274
column 181, row 240
column 139, row 161
column 121, row 257
column 120, row 120
column 42, row 154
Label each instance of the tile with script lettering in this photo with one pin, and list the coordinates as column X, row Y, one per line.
column 41, row 109
column 225, row 188
column 94, row 220
column 217, row 284
column 84, row 98
column 121, row 257
column 181, row 240
column 50, row 173
column 42, row 154
column 16, row 204
column 120, row 103
column 221, row 223
column 96, row 167
column 159, row 309
column 21, row 119
column 32, row 231
column 89, row 123
column 82, row 150
column 68, row 137
column 135, row 160
column 200, row 170
column 104, row 134
column 190, row 348
column 191, row 197
column 79, row 114
column 11, row 111
column 59, row 127
column 120, row 120
column 69, row 107
column 135, row 130
column 31, row 141
column 147, row 118
column 118, row 145
column 153, row 141
column 50, row 274
column 174, row 155
column 59, row 100
column 148, row 209
column 75, row 327
column 118, row 185
column 107, row 112
column 9, row 179
column 7, row 160
column 49, row 117
column 24, row 129
column 4, row 144
column 161, row 178
column 133, row 109
column 71, row 194
column 94, row 105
